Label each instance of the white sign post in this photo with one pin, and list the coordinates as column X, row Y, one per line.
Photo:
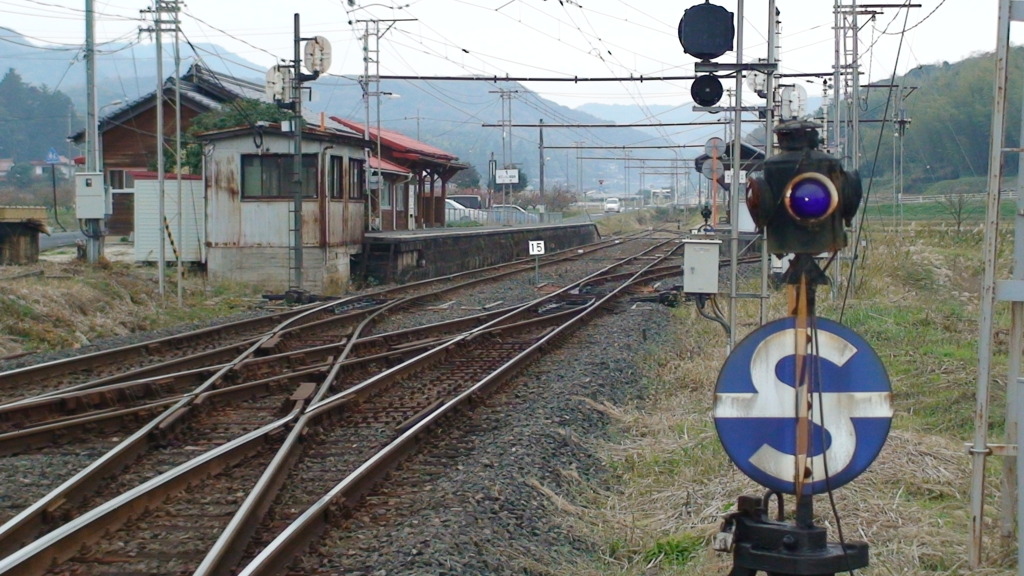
column 507, row 177
column 536, row 250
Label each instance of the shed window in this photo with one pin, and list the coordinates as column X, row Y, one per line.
column 336, row 178
column 270, row 175
column 356, row 179
column 120, row 179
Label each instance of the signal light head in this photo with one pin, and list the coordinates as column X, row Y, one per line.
column 811, row 197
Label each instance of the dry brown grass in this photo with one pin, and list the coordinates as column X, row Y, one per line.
column 916, row 301
column 57, row 305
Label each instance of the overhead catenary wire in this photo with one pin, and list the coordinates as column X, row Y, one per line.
column 867, row 192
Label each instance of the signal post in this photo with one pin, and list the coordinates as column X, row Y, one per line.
column 802, row 404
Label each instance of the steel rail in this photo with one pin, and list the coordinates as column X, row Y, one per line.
column 27, row 523
column 230, row 546
column 314, row 519
column 82, row 362
column 102, row 403
column 133, row 445
column 57, row 545
column 52, row 547
column 115, row 356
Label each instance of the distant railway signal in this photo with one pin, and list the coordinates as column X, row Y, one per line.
column 706, row 31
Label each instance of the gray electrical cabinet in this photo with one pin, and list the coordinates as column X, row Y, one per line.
column 700, row 266
column 90, row 196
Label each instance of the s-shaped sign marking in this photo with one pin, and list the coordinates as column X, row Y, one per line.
column 755, row 405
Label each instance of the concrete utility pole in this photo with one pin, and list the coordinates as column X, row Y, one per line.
column 297, row 126
column 161, row 7
column 541, row 147
column 93, row 163
column 178, row 158
column 506, row 135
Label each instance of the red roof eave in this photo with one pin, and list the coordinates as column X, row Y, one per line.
column 401, row 144
column 385, row 166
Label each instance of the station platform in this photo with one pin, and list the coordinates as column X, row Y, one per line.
column 410, row 255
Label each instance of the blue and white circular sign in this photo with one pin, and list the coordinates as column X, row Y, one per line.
column 756, row 400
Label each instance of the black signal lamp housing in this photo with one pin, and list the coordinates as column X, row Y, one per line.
column 706, row 90
column 706, row 31
column 805, row 198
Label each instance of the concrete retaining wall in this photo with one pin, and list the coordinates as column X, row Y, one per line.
column 411, row 257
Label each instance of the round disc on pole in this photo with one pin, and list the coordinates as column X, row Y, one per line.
column 756, row 400
column 706, row 90
column 279, row 79
column 712, row 169
column 714, row 147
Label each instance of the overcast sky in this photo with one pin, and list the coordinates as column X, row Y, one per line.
column 534, row 38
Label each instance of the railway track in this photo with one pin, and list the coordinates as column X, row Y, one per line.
column 275, row 437
column 223, row 342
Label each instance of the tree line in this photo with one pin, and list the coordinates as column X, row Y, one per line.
column 947, row 113
column 33, row 119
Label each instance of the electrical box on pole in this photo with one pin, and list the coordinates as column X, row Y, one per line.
column 90, row 196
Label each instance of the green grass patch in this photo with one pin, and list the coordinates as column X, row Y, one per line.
column 675, row 551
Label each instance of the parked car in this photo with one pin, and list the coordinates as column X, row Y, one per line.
column 511, row 214
column 612, row 205
column 455, row 212
column 468, row 200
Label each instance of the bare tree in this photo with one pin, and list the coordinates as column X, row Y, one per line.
column 957, row 206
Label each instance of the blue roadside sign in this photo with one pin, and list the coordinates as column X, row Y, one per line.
column 52, row 157
column 755, row 406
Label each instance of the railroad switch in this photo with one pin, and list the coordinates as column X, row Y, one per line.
column 670, row 298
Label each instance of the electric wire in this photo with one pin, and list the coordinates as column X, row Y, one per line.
column 822, row 427
column 867, row 192
column 853, row 265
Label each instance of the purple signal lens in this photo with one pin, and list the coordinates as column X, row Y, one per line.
column 810, row 199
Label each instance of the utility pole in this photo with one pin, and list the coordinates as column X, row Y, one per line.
column 160, row 8
column 93, row 227
column 297, row 126
column 318, row 54
column 177, row 155
column 541, row 147
column 160, row 25
column 579, row 169
column 371, row 87
column 506, row 134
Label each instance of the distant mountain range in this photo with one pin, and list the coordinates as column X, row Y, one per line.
column 464, row 117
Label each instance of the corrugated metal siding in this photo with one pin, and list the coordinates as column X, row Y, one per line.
column 249, row 240
column 147, row 220
column 241, row 223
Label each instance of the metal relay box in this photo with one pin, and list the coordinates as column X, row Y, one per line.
column 90, row 196
column 700, row 266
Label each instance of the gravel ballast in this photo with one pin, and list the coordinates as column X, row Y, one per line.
column 478, row 502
